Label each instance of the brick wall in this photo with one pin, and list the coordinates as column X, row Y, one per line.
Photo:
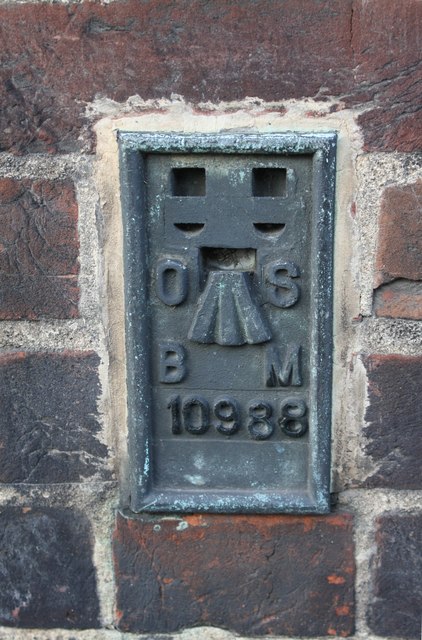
column 74, row 563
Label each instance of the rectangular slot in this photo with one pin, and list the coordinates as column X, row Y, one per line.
column 189, row 181
column 268, row 182
column 225, row 259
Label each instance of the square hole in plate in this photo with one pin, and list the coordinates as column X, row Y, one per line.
column 189, row 181
column 268, row 182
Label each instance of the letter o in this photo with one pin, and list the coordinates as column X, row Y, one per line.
column 172, row 281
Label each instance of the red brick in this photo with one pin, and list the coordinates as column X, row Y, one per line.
column 395, row 607
column 398, row 266
column 49, row 423
column 394, row 420
column 399, row 299
column 256, row 575
column 38, row 249
column 388, row 75
column 55, row 59
column 399, row 252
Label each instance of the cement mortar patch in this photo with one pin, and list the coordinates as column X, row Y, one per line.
column 385, row 336
column 251, row 116
column 351, row 464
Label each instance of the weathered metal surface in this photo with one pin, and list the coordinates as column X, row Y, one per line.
column 228, row 275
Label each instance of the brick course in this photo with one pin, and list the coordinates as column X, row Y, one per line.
column 256, row 575
column 359, row 53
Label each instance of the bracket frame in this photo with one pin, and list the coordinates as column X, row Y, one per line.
column 132, row 149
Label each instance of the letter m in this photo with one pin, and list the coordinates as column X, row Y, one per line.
column 286, row 372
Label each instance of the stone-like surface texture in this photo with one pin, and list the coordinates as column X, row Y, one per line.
column 360, row 53
column 397, row 594
column 256, row 575
column 38, row 249
column 49, row 428
column 46, row 572
column 394, row 420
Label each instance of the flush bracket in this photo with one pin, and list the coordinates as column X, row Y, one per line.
column 228, row 261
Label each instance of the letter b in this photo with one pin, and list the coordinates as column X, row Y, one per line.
column 172, row 362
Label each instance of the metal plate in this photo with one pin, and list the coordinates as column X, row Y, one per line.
column 228, row 276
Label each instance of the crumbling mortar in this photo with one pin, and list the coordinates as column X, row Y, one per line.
column 386, row 336
column 40, row 166
column 103, row 107
column 51, row 335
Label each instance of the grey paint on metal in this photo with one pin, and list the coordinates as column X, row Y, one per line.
column 228, row 288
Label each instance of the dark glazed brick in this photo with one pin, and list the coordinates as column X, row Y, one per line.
column 396, row 607
column 38, row 249
column 256, row 575
column 394, row 417
column 49, row 419
column 46, row 572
